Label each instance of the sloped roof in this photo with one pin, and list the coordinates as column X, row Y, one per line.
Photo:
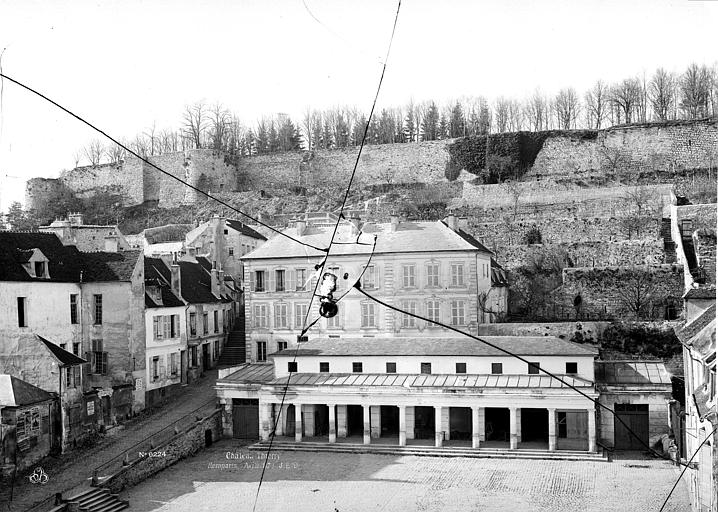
column 520, row 345
column 690, row 330
column 244, row 229
column 252, row 373
column 409, row 237
column 632, row 373
column 167, row 233
column 157, row 273
column 66, row 358
column 15, row 392
column 66, row 263
column 704, row 292
column 430, row 380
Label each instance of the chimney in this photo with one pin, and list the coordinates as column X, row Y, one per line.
column 176, row 277
column 111, row 243
column 216, row 289
column 76, row 219
column 222, row 286
column 394, row 223
column 301, row 225
column 356, row 225
column 463, row 223
column 451, row 221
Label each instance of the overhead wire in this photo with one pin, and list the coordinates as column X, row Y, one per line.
column 305, row 327
column 516, row 356
column 145, row 160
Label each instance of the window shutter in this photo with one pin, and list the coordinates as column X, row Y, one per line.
column 163, row 370
column 290, row 283
column 155, row 324
column 251, row 281
column 270, row 285
column 104, row 363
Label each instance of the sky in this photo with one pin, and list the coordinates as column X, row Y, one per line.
column 124, row 65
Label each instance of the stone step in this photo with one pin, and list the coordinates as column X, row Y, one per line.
column 432, row 451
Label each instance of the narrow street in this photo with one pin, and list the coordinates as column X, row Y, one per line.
column 74, row 469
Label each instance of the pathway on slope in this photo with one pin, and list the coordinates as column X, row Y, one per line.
column 74, row 469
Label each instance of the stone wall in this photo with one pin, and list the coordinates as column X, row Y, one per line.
column 616, row 292
column 416, row 162
column 184, row 444
column 563, row 330
column 116, row 177
column 657, row 402
column 630, row 151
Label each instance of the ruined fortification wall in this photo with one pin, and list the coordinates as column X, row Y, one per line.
column 630, row 151
column 379, row 164
column 89, row 180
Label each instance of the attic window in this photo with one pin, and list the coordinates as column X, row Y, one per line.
column 39, row 269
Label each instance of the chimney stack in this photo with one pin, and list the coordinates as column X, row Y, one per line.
column 222, row 286
column 301, row 225
column 216, row 289
column 356, row 225
column 76, row 219
column 451, row 221
column 111, row 243
column 463, row 223
column 176, row 277
column 394, row 223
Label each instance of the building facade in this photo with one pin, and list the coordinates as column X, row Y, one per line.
column 419, row 390
column 87, row 237
column 444, row 280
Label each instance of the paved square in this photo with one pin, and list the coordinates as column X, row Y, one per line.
column 224, row 478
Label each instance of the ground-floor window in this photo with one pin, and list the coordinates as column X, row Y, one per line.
column 193, row 356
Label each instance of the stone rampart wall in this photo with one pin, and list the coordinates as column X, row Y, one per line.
column 416, row 162
column 87, row 181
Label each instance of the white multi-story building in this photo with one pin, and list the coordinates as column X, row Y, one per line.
column 433, row 269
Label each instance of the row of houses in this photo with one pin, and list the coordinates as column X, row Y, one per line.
column 88, row 339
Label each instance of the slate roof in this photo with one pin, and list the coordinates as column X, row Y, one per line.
column 430, row 380
column 252, row 373
column 66, row 263
column 15, row 392
column 66, row 358
column 409, row 237
column 632, row 373
column 690, row 330
column 244, row 229
column 520, row 345
column 158, row 274
column 196, row 283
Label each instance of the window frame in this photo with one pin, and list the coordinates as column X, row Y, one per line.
column 458, row 279
column 454, row 307
column 292, row 367
column 495, row 367
column 324, row 367
column 300, row 282
column 97, row 309
column 534, row 368
column 259, row 279
column 425, row 368
column 365, row 315
column 366, row 282
column 461, row 368
column 22, row 312
column 390, row 367
column 359, row 365
column 407, row 321
column 280, row 281
column 575, row 363
column 430, row 276
column 408, row 279
column 74, row 318
column 261, row 351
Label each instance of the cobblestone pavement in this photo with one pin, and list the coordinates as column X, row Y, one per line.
column 318, row 482
column 74, row 469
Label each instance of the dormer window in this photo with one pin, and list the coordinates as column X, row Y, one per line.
column 35, row 263
column 39, row 269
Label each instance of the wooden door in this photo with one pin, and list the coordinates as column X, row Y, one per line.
column 245, row 418
column 635, row 417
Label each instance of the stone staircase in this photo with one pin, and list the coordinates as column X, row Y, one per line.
column 235, row 352
column 669, row 246
column 96, row 499
column 447, row 451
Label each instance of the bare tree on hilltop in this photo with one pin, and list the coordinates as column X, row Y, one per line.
column 597, row 105
column 195, row 123
column 662, row 94
column 94, row 152
column 566, row 107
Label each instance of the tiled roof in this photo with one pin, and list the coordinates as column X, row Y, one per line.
column 254, row 373
column 62, row 355
column 520, row 345
column 430, row 380
column 690, row 330
column 408, row 237
column 15, row 392
column 66, row 263
column 244, row 229
column 167, row 233
column 109, row 266
column 622, row 373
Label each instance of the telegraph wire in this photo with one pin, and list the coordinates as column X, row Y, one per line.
column 508, row 352
column 306, row 327
column 223, row 203
column 685, row 468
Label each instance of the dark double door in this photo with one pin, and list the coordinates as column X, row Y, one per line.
column 245, row 418
column 635, row 417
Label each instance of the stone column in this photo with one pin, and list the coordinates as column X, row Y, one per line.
column 332, row 424
column 298, row 422
column 552, row 429
column 375, row 421
column 513, row 440
column 402, row 425
column 341, row 420
column 227, row 418
column 518, row 425
column 438, row 434
column 265, row 421
column 410, row 422
column 475, row 436
column 482, row 424
column 445, row 422
column 367, row 424
column 308, row 420
column 281, row 420
column 591, row 430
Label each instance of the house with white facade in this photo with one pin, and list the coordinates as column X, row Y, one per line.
column 433, row 269
column 419, row 391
